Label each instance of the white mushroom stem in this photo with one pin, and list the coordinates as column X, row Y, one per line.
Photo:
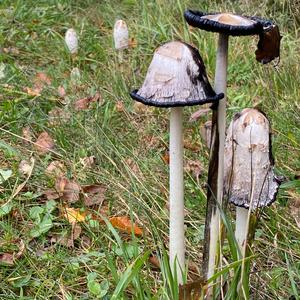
column 241, row 227
column 212, row 228
column 177, row 245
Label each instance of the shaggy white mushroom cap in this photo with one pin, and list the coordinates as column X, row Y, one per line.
column 71, row 40
column 121, row 36
column 249, row 176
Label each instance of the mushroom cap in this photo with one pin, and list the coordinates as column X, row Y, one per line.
column 249, row 179
column 226, row 23
column 176, row 77
column 121, row 35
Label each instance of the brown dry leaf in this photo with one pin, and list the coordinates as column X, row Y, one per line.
column 25, row 167
column 27, row 134
column 68, row 241
column 93, row 194
column 68, row 190
column 124, row 224
column 166, row 157
column 55, row 169
column 120, row 106
column 44, row 143
column 294, row 205
column 58, row 116
column 134, row 167
column 34, row 92
column 11, row 50
column 73, row 215
column 140, row 108
column 188, row 144
column 192, row 290
column 153, row 260
column 10, row 258
column 7, row 259
column 194, row 167
column 61, row 91
column 88, row 161
column 150, row 141
column 132, row 43
column 41, row 79
column 198, row 114
column 84, row 103
column 51, row 194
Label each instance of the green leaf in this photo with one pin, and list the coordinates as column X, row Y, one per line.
column 131, row 271
column 4, row 175
column 6, row 208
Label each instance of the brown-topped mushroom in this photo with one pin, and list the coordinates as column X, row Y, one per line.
column 176, row 77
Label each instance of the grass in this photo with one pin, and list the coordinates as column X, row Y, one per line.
column 129, row 145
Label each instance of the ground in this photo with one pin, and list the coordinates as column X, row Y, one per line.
column 58, row 244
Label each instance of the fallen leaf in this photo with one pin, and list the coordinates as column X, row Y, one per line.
column 93, row 194
column 34, row 92
column 68, row 190
column 61, row 91
column 84, row 103
column 135, row 169
column 51, row 194
column 58, row 116
column 294, row 205
column 120, row 106
column 194, row 167
column 10, row 258
column 73, row 215
column 27, row 134
column 132, row 43
column 5, row 174
column 25, row 167
column 44, row 143
column 124, row 224
column 153, row 260
column 192, row 290
column 7, row 259
column 68, row 241
column 88, row 162
column 41, row 79
column 188, row 144
column 140, row 108
column 166, row 157
column 198, row 114
column 55, row 169
column 11, row 50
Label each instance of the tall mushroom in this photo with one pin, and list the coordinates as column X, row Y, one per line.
column 225, row 24
column 176, row 77
column 249, row 182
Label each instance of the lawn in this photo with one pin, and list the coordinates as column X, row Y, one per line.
column 88, row 218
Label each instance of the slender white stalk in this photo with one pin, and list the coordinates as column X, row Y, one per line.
column 220, row 87
column 177, row 245
column 241, row 226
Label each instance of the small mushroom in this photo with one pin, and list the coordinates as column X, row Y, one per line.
column 121, row 35
column 176, row 77
column 225, row 24
column 71, row 40
column 249, row 181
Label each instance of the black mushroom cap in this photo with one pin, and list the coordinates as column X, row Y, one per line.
column 176, row 77
column 226, row 23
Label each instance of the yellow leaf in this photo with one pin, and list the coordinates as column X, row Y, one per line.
column 73, row 215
